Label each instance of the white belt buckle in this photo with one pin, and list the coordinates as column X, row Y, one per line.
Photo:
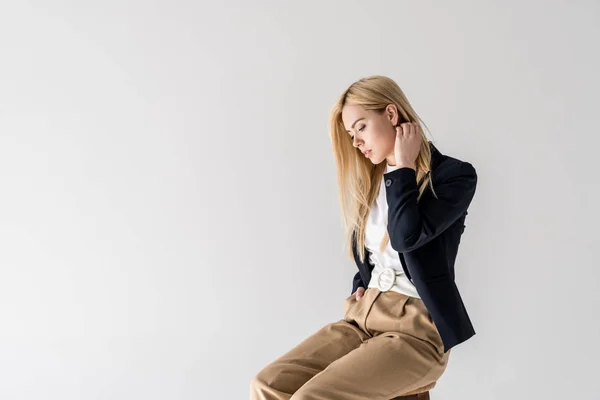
column 386, row 280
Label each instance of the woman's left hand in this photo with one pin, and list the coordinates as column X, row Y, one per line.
column 408, row 144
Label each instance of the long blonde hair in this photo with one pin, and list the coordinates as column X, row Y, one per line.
column 358, row 179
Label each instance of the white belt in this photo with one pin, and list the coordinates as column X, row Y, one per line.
column 386, row 279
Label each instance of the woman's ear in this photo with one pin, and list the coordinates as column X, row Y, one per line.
column 392, row 113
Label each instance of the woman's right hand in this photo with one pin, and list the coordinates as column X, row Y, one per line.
column 359, row 293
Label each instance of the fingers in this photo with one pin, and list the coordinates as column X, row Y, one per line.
column 407, row 144
column 408, row 128
column 359, row 293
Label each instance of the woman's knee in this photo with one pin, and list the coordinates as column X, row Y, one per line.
column 256, row 386
column 269, row 379
column 279, row 378
column 260, row 381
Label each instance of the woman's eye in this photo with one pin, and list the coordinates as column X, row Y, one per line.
column 361, row 128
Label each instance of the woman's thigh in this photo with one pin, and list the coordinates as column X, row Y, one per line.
column 285, row 375
column 383, row 367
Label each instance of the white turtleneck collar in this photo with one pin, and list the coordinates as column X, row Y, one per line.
column 390, row 168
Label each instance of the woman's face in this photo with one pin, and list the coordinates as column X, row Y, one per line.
column 372, row 132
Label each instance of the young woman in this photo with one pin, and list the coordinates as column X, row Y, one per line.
column 404, row 205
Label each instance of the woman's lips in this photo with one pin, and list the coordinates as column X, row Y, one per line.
column 367, row 153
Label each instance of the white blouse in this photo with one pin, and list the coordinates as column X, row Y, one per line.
column 386, row 263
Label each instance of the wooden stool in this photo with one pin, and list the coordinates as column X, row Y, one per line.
column 418, row 396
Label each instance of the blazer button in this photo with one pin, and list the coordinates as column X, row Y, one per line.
column 388, row 182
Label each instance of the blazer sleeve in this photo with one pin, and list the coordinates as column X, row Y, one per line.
column 357, row 282
column 412, row 224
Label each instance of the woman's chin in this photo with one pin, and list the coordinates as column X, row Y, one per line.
column 375, row 160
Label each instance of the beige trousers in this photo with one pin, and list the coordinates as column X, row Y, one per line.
column 385, row 346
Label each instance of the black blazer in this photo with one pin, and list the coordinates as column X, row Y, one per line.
column 426, row 236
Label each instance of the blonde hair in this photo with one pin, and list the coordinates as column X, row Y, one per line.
column 358, row 179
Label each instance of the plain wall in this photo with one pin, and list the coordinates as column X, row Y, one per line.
column 169, row 219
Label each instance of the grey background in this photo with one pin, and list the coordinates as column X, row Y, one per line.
column 168, row 208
